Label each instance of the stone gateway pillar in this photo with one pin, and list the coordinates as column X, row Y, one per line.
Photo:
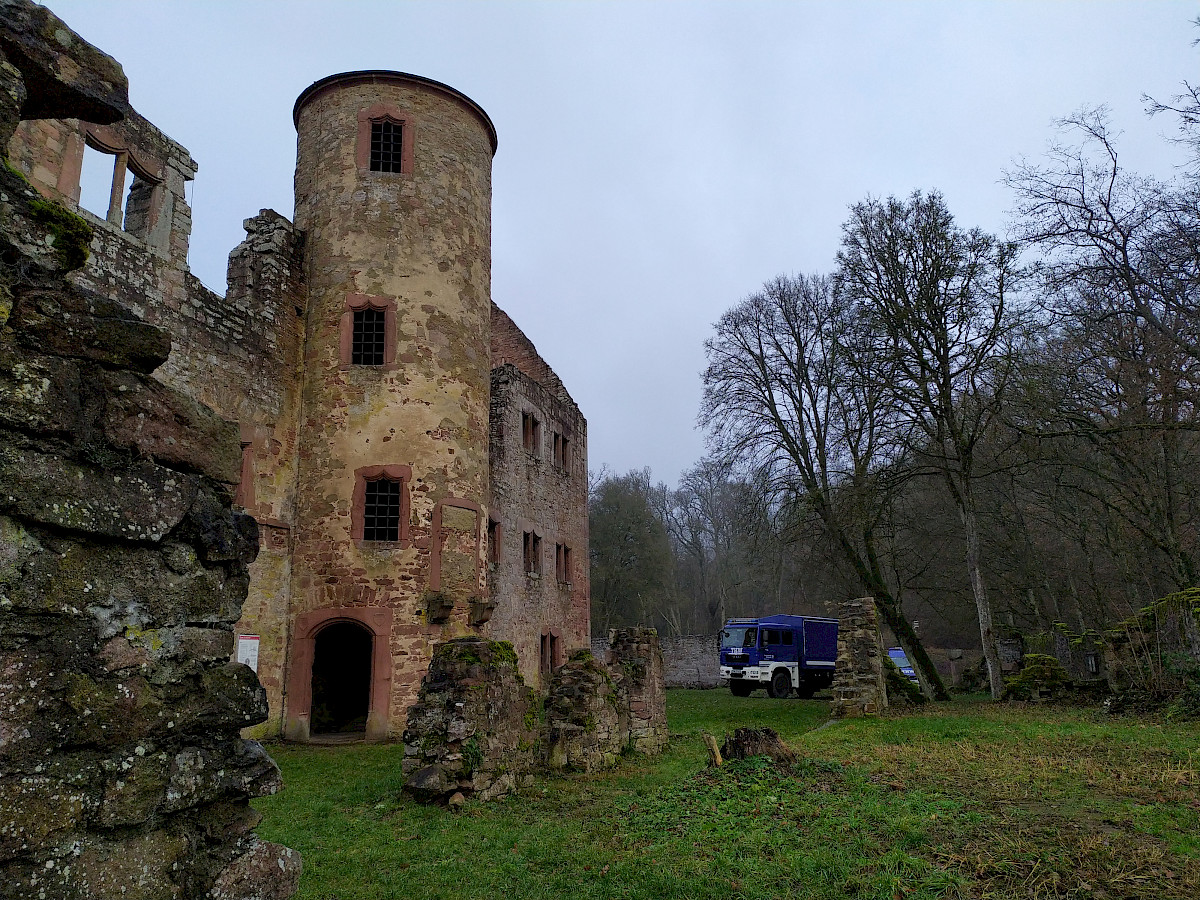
column 859, row 688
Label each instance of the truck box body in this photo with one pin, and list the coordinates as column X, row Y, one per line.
column 754, row 650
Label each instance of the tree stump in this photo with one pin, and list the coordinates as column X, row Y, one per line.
column 714, row 752
column 748, row 742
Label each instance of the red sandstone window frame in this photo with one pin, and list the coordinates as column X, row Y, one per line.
column 550, row 651
column 531, row 434
column 562, row 563
column 532, row 553
column 356, row 303
column 435, row 550
column 401, row 474
column 384, row 112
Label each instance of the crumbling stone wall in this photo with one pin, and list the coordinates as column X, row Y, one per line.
column 859, row 687
column 596, row 712
column 476, row 727
column 122, row 565
column 635, row 658
column 1157, row 649
column 479, row 729
column 587, row 716
column 532, row 492
column 689, row 661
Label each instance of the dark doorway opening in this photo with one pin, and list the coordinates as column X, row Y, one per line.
column 341, row 679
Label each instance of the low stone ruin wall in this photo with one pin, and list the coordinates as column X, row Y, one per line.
column 689, row 661
column 859, row 688
column 476, row 726
column 122, row 567
column 636, row 661
column 478, row 729
column 1155, row 649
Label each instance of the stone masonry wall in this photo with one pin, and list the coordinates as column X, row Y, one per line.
column 510, row 346
column 475, row 728
column 690, row 661
column 1153, row 649
column 532, row 493
column 478, row 728
column 122, row 565
column 636, row 660
column 587, row 716
column 859, row 687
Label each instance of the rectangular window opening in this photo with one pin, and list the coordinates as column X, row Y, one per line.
column 531, row 434
column 367, row 343
column 533, row 554
column 493, row 542
column 387, row 141
column 381, row 510
column 99, row 190
column 562, row 563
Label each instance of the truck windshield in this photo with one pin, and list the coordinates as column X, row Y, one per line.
column 738, row 637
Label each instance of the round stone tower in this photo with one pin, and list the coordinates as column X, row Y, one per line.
column 393, row 193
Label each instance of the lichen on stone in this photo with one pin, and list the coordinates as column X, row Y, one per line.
column 72, row 235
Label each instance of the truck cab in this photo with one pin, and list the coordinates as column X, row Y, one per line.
column 780, row 653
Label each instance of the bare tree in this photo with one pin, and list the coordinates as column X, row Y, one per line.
column 1125, row 244
column 792, row 391
column 941, row 303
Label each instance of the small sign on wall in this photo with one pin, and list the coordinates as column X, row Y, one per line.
column 247, row 650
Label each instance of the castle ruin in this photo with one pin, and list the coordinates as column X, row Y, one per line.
column 417, row 471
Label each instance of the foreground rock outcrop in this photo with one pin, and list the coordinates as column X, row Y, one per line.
column 122, row 565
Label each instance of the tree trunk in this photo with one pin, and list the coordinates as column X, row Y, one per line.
column 872, row 580
column 983, row 607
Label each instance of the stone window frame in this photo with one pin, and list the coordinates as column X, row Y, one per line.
column 385, row 112
column 376, row 620
column 355, row 303
column 358, row 503
column 495, row 543
column 561, row 454
column 562, row 564
column 435, row 548
column 549, row 651
column 108, row 141
column 531, row 434
column 531, row 553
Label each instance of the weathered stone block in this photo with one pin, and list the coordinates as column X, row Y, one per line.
column 39, row 394
column 77, row 325
column 138, row 503
column 265, row 872
column 156, row 422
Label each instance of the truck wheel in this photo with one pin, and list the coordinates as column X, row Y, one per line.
column 740, row 688
column 781, row 684
column 806, row 689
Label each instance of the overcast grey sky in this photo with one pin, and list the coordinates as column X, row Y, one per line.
column 658, row 161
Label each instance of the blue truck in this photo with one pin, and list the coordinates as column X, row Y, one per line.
column 780, row 653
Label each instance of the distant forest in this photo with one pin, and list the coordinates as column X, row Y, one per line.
column 984, row 433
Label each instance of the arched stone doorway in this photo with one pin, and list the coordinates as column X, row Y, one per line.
column 310, row 630
column 341, row 679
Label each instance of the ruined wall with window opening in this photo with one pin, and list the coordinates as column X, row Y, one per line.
column 541, row 604
column 274, row 354
column 122, row 565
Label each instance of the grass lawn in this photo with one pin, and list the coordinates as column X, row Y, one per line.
column 970, row 799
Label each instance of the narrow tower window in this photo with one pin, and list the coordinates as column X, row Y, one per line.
column 387, row 141
column 369, row 337
column 381, row 511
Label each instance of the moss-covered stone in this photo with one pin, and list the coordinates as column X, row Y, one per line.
column 72, row 234
column 1042, row 678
